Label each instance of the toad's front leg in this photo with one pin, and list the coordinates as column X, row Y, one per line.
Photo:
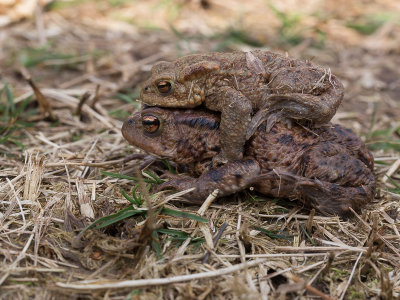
column 230, row 178
column 236, row 112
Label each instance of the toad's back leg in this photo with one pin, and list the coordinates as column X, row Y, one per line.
column 305, row 93
column 301, row 93
column 329, row 198
column 340, row 180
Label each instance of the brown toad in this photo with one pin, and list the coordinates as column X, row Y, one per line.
column 240, row 84
column 328, row 167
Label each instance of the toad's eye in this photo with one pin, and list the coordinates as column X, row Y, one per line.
column 150, row 123
column 164, row 87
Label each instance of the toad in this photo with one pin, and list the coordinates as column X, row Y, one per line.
column 327, row 167
column 241, row 85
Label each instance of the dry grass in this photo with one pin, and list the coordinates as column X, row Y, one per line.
column 85, row 74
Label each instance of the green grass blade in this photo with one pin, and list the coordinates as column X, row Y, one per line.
column 122, row 176
column 110, row 219
column 118, row 217
column 156, row 245
column 157, row 180
column 272, row 234
column 133, row 293
column 3, row 139
column 182, row 214
column 174, row 233
column 180, row 236
column 168, row 165
column 395, row 190
column 18, row 143
column 21, row 107
column 126, row 98
column 138, row 199
column 307, row 235
column 129, row 198
column 392, row 181
column 280, row 15
column 392, row 145
column 10, row 97
column 116, row 175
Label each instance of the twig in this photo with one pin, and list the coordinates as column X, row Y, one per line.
column 18, row 201
column 377, row 234
column 96, row 97
column 36, row 269
column 82, row 101
column 208, row 202
column 263, row 284
column 310, row 267
column 92, row 285
column 44, row 104
column 274, row 255
column 296, row 216
column 242, row 250
column 328, row 234
column 134, row 156
column 310, row 222
column 40, row 24
column 276, row 273
column 328, row 265
column 297, row 249
column 146, row 234
column 104, row 267
column 350, row 278
column 393, row 168
column 310, row 288
column 85, row 164
column 65, row 97
column 201, row 212
column 20, row 256
column 215, row 241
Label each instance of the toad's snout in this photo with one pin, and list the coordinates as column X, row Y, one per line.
column 128, row 128
column 144, row 90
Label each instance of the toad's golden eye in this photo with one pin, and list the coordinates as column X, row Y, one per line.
column 150, row 123
column 164, row 87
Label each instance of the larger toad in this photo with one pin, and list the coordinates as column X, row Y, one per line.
column 328, row 168
column 240, row 84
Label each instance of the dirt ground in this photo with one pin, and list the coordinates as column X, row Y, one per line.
column 71, row 73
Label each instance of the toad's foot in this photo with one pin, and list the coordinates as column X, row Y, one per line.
column 219, row 160
column 271, row 117
column 329, row 198
column 278, row 117
column 334, row 199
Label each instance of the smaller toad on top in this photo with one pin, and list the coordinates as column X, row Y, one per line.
column 247, row 88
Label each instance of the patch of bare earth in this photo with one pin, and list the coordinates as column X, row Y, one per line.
column 80, row 66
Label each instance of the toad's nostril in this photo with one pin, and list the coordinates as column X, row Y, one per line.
column 146, row 89
column 130, row 121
